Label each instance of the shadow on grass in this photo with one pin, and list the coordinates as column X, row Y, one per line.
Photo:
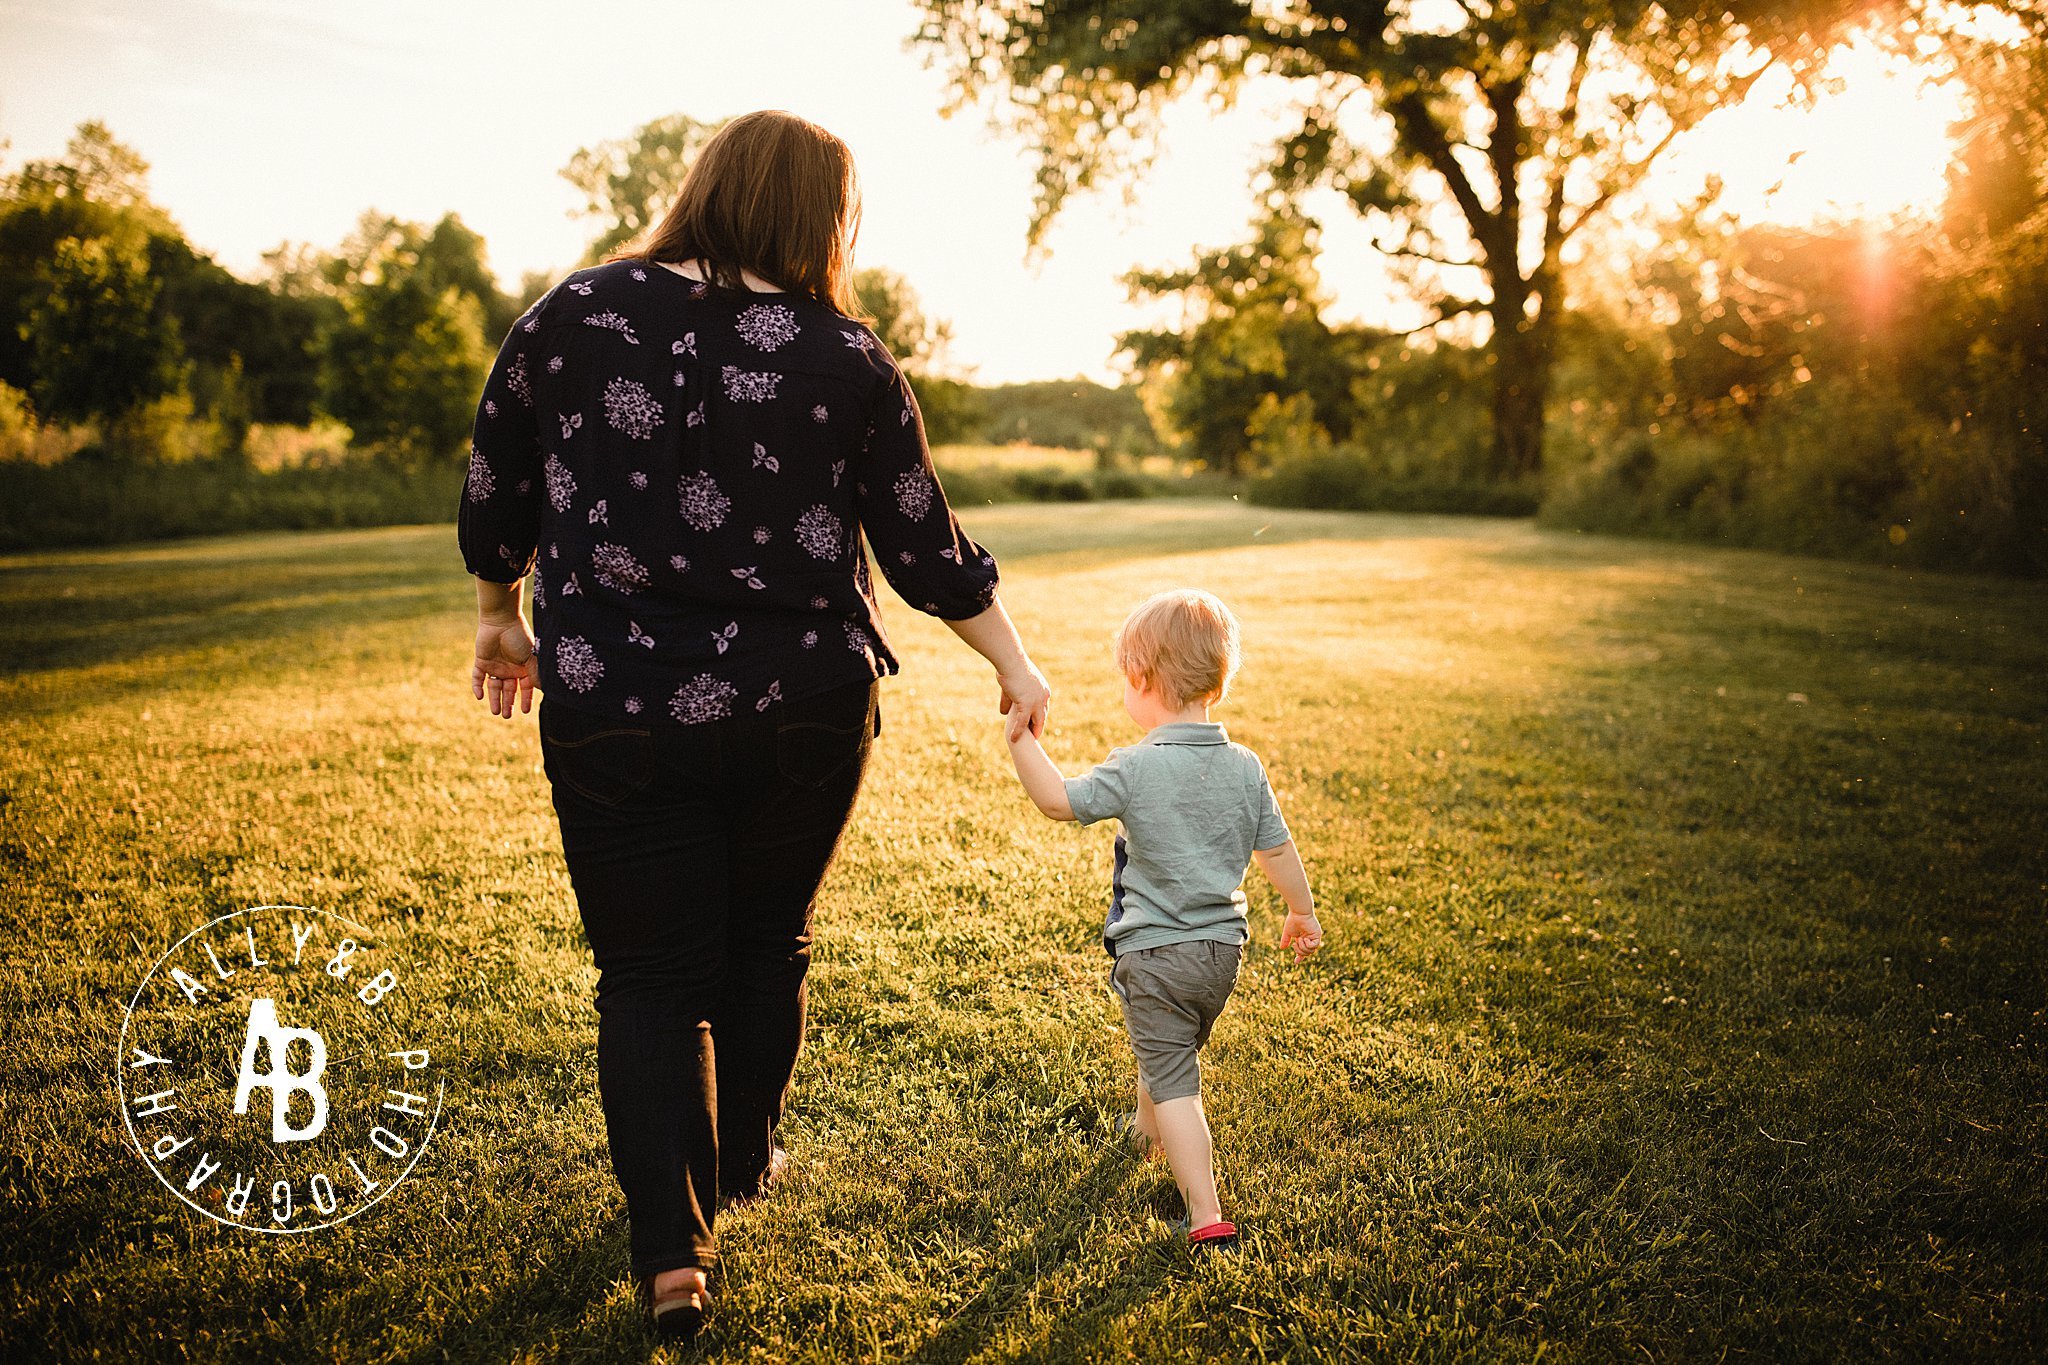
column 565, row 1289
column 81, row 609
column 979, row 1322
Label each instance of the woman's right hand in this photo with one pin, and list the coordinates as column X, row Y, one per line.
column 1026, row 699
column 1026, row 694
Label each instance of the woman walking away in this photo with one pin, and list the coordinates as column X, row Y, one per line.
column 685, row 447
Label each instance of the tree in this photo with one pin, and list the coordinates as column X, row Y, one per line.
column 1255, row 342
column 98, row 190
column 100, row 347
column 1497, row 130
column 1984, row 364
column 952, row 409
column 405, row 362
column 918, row 342
column 628, row 183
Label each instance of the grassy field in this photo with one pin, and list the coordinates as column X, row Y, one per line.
column 1684, row 996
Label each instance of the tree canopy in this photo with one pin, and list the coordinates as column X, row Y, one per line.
column 1476, row 136
column 1256, row 344
column 629, row 182
column 408, row 356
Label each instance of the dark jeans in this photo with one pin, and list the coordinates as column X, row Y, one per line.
column 695, row 852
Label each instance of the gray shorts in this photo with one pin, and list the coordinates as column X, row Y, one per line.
column 1171, row 996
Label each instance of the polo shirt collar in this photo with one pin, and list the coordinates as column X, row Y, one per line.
column 1188, row 732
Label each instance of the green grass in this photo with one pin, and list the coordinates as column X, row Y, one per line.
column 1662, row 1015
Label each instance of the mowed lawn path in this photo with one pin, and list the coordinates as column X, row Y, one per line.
column 1684, row 993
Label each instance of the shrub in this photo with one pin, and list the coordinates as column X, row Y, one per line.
column 1844, row 471
column 22, row 437
column 1347, row 478
column 990, row 475
column 95, row 501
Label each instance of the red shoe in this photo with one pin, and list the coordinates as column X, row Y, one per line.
column 1216, row 1236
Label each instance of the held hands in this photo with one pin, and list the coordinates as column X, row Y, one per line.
column 1302, row 933
column 1026, row 697
column 505, row 668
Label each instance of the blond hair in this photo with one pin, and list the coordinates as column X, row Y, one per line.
column 1182, row 644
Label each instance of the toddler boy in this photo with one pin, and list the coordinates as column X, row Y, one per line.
column 1195, row 808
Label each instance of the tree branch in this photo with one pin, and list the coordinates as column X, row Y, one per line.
column 1632, row 172
column 1504, row 152
column 1426, row 136
column 1567, row 123
column 1417, row 253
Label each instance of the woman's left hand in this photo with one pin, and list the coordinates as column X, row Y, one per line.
column 505, row 666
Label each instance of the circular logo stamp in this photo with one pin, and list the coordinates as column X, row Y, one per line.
column 272, row 1072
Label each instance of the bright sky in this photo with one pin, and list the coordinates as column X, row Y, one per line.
column 268, row 120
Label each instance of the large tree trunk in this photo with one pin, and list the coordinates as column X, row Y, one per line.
column 1521, row 333
column 1522, row 354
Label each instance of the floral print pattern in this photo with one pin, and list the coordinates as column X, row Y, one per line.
column 577, row 664
column 617, row 569
column 480, row 484
column 748, row 386
column 561, row 484
column 820, row 533
column 766, row 326
column 704, row 505
column 703, row 698
column 630, row 408
column 613, row 322
column 516, row 382
column 914, row 490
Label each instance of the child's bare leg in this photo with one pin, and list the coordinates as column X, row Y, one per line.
column 1184, row 1133
column 1146, row 1124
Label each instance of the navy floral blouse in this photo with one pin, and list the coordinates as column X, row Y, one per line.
column 689, row 472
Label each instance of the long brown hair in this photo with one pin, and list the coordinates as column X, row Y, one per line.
column 773, row 194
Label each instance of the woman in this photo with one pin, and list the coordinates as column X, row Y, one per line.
column 686, row 446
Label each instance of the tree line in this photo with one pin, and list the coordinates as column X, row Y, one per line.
column 114, row 324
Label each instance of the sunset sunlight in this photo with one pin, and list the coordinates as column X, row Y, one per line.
column 617, row 624
column 1873, row 141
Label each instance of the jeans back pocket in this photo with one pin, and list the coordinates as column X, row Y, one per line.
column 811, row 753
column 595, row 756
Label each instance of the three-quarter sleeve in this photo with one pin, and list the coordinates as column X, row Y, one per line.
column 498, row 524
column 917, row 541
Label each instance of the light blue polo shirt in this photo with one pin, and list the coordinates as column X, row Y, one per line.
column 1193, row 806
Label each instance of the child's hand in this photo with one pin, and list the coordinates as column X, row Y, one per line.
column 1303, row 933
